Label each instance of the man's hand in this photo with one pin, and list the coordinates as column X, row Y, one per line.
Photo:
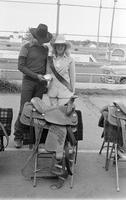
column 40, row 77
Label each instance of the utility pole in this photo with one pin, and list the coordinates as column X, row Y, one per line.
column 58, row 16
column 111, row 33
column 99, row 20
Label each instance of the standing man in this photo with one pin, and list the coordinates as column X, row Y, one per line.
column 32, row 63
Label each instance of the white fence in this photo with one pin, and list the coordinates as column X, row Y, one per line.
column 11, row 74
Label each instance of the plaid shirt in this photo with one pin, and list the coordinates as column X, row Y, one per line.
column 6, row 115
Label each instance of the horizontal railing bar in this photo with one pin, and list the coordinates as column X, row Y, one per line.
column 79, row 74
column 94, row 74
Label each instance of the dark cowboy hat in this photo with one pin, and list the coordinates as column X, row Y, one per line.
column 41, row 33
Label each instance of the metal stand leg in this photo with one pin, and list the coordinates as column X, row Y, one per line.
column 35, row 171
column 63, row 162
column 76, row 149
column 102, row 147
column 73, row 161
column 110, row 156
column 107, row 157
column 117, row 172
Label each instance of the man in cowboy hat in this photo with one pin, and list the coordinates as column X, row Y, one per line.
column 32, row 62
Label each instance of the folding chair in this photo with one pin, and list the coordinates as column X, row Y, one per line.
column 6, row 116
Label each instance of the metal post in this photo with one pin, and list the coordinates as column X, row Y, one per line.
column 110, row 42
column 99, row 19
column 58, row 14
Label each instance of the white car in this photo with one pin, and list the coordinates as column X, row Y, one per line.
column 113, row 74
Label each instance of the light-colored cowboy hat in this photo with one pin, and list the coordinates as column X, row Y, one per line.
column 41, row 33
column 60, row 39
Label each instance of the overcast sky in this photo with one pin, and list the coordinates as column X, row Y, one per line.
column 16, row 16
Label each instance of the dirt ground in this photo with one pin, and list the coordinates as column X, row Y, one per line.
column 91, row 181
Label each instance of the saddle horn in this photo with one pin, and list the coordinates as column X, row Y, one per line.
column 70, row 105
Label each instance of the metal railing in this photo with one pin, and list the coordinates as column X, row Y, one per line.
column 12, row 74
column 60, row 4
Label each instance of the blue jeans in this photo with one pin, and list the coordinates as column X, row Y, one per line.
column 30, row 89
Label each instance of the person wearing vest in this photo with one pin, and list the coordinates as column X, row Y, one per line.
column 32, row 63
column 61, row 67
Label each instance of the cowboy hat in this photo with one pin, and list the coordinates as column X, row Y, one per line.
column 60, row 39
column 41, row 33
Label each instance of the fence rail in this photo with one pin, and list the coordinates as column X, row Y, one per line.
column 57, row 3
column 12, row 74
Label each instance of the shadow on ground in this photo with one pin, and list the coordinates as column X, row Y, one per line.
column 90, row 179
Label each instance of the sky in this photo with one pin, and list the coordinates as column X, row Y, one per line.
column 17, row 16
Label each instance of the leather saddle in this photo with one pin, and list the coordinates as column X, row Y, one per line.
column 116, row 119
column 116, row 111
column 120, row 110
column 62, row 115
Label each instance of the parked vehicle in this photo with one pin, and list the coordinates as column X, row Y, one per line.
column 113, row 74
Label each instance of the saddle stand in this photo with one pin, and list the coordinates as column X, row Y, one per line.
column 113, row 121
column 60, row 144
